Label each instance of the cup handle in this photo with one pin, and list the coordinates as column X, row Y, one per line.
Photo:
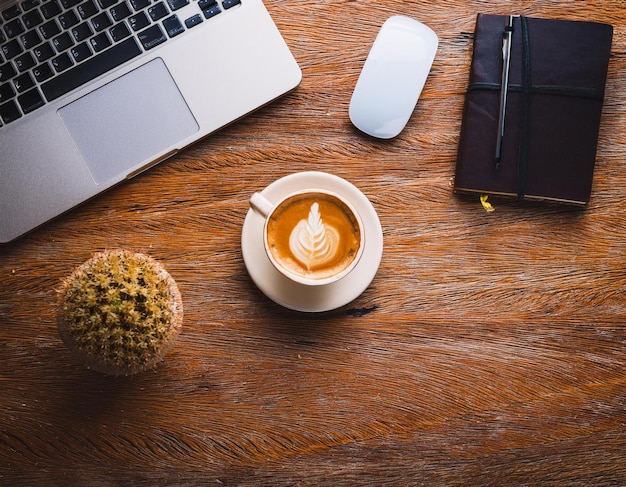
column 261, row 204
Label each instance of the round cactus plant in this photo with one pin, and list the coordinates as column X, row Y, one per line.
column 119, row 312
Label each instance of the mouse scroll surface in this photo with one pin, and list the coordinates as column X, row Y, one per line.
column 393, row 77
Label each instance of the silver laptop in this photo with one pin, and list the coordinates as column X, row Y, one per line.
column 93, row 92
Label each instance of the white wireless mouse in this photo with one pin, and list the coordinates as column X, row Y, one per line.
column 392, row 77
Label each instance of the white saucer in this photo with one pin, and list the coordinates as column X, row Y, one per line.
column 298, row 296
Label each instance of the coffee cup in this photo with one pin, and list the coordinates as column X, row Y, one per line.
column 312, row 237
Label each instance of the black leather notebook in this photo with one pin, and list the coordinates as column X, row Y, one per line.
column 554, row 99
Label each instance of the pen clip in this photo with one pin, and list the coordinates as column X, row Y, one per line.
column 504, row 85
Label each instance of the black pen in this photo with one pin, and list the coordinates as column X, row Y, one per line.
column 504, row 84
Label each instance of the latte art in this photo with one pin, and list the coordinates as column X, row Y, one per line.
column 313, row 243
column 313, row 235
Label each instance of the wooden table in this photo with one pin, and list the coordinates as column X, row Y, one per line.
column 489, row 349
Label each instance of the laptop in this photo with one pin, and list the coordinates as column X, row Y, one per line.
column 93, row 92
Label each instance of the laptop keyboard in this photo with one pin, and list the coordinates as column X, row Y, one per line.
column 48, row 48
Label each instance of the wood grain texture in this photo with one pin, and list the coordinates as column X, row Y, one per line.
column 489, row 350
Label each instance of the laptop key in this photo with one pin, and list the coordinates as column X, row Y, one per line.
column 90, row 69
column 151, row 37
column 173, row 27
column 32, row 19
column 61, row 62
column 176, row 4
column 119, row 32
column 7, row 71
column 81, row 52
column 204, row 4
column 68, row 19
column 43, row 72
column 11, row 49
column 50, row 9
column 11, row 12
column 49, row 29
column 139, row 21
column 104, row 4
column 211, row 11
column 14, row 28
column 6, row 92
column 67, row 4
column 43, row 52
column 23, row 82
column 24, row 62
column 87, row 9
column 193, row 21
column 9, row 111
column 62, row 42
column 101, row 21
column 139, row 4
column 31, row 100
column 230, row 3
column 81, row 32
column 157, row 11
column 29, row 4
column 100, row 42
column 120, row 11
column 30, row 39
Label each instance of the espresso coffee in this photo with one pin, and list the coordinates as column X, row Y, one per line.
column 314, row 235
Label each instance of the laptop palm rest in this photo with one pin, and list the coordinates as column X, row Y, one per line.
column 128, row 121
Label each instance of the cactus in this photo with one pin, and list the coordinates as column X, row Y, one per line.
column 119, row 312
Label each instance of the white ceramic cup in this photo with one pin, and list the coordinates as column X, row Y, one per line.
column 266, row 209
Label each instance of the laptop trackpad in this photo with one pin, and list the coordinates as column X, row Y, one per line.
column 128, row 120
